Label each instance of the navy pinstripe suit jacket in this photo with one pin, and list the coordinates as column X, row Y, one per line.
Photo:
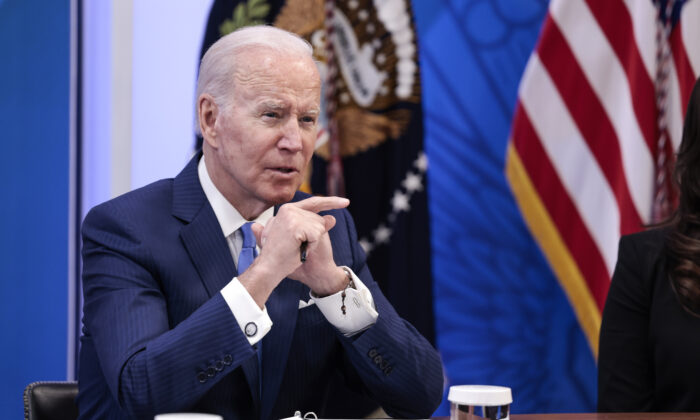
column 158, row 336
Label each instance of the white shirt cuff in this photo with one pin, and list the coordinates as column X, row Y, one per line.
column 360, row 312
column 254, row 322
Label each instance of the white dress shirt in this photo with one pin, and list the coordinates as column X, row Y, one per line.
column 360, row 310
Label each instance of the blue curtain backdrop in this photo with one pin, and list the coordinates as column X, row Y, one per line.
column 34, row 116
column 501, row 316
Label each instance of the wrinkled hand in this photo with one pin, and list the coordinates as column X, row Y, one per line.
column 283, row 235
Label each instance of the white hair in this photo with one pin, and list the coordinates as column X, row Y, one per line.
column 218, row 65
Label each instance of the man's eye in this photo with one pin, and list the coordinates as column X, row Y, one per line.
column 270, row 114
column 308, row 120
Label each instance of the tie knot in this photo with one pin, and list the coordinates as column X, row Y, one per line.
column 248, row 236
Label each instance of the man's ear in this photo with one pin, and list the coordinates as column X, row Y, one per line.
column 208, row 113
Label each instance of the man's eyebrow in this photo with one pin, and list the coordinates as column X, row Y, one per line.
column 279, row 106
column 274, row 105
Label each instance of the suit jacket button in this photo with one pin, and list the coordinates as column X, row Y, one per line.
column 228, row 360
column 372, row 353
column 219, row 365
column 211, row 372
column 202, row 377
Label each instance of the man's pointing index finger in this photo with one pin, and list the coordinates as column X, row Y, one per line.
column 319, row 204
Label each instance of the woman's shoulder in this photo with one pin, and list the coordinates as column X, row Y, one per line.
column 648, row 242
column 642, row 258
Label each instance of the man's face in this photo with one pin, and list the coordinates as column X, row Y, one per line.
column 266, row 136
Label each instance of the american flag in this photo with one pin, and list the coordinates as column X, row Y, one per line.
column 599, row 117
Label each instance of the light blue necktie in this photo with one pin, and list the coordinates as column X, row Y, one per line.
column 245, row 259
column 248, row 252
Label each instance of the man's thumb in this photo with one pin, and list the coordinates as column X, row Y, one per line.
column 257, row 229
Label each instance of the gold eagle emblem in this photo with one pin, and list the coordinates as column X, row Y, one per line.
column 375, row 51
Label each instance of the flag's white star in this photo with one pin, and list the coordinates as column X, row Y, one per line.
column 399, row 202
column 421, row 163
column 366, row 245
column 413, row 182
column 382, row 234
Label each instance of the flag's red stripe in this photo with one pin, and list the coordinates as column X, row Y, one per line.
column 616, row 23
column 560, row 207
column 590, row 117
column 686, row 76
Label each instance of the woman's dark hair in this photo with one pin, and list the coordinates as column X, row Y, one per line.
column 683, row 243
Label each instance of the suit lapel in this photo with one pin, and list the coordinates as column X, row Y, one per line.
column 209, row 251
column 283, row 308
column 201, row 235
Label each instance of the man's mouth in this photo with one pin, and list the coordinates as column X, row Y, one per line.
column 284, row 170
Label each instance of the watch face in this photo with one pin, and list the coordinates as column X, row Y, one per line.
column 251, row 329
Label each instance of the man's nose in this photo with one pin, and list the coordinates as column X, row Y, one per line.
column 291, row 136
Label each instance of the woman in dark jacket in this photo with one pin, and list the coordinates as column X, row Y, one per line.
column 649, row 356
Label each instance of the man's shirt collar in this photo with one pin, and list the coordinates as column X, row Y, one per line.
column 229, row 218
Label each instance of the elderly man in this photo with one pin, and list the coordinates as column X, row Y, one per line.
column 183, row 312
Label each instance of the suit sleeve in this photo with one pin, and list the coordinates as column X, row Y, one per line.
column 625, row 376
column 396, row 365
column 150, row 366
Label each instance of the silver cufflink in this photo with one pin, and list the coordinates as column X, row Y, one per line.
column 251, row 329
